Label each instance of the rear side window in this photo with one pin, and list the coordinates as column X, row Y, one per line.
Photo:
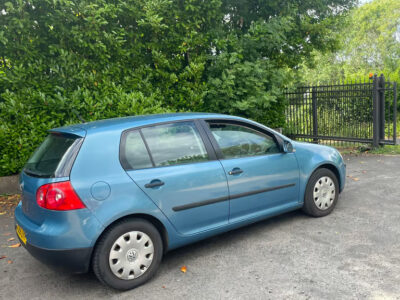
column 54, row 157
column 135, row 152
column 162, row 145
column 175, row 143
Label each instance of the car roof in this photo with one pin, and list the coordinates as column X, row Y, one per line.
column 124, row 123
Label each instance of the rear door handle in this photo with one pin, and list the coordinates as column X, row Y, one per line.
column 235, row 171
column 154, row 183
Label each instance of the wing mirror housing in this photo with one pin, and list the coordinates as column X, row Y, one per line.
column 288, row 147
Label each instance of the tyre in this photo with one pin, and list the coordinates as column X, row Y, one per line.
column 128, row 254
column 322, row 193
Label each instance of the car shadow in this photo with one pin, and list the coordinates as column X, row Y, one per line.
column 217, row 243
column 224, row 240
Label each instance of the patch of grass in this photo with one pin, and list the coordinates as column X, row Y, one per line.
column 388, row 149
column 367, row 149
column 353, row 150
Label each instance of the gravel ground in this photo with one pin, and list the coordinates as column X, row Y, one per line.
column 354, row 253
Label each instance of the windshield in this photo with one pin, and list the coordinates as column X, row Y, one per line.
column 54, row 157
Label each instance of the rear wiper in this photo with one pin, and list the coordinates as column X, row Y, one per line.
column 35, row 174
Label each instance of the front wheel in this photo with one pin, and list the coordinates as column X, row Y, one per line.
column 322, row 193
column 128, row 254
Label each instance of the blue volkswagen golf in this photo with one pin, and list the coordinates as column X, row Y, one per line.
column 115, row 195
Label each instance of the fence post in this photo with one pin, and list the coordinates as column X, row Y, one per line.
column 382, row 123
column 375, row 111
column 395, row 112
column 314, row 111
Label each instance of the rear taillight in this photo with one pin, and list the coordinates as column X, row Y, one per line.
column 58, row 196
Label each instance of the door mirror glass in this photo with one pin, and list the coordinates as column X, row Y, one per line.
column 288, row 147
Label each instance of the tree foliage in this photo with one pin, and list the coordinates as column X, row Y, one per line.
column 369, row 43
column 61, row 59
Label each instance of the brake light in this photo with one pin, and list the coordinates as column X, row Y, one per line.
column 58, row 196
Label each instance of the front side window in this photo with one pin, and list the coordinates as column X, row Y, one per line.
column 240, row 141
column 175, row 143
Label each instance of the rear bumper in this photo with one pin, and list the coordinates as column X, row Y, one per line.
column 63, row 240
column 70, row 260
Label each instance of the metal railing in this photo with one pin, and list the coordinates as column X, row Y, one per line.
column 357, row 112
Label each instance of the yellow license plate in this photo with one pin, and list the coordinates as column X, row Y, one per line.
column 21, row 234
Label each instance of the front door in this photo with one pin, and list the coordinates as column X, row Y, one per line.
column 261, row 178
column 175, row 168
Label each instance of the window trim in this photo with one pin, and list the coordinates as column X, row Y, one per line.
column 217, row 149
column 203, row 135
column 122, row 144
column 147, row 148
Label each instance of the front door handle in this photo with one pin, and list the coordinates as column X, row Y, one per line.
column 235, row 171
column 154, row 183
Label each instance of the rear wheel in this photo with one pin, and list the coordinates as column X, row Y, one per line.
column 321, row 193
column 128, row 254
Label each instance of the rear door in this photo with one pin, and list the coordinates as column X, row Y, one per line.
column 174, row 164
column 261, row 178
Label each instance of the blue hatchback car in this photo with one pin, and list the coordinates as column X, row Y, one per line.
column 115, row 195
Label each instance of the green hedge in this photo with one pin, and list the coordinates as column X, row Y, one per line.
column 101, row 59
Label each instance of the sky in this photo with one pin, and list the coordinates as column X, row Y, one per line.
column 364, row 1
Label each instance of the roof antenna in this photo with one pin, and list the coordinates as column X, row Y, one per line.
column 76, row 113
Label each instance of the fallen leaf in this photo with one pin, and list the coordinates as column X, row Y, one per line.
column 3, row 256
column 163, row 286
column 10, row 239
column 356, row 179
column 9, row 261
column 183, row 269
column 15, row 245
column 2, row 213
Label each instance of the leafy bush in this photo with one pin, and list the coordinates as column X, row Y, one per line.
column 101, row 59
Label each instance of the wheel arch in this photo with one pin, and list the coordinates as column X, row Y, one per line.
column 323, row 165
column 309, row 206
column 153, row 220
column 332, row 168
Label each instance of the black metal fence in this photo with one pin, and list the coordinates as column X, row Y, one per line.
column 338, row 114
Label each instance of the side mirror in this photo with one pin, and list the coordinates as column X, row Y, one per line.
column 288, row 147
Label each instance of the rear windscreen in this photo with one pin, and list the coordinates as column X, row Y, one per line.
column 54, row 157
